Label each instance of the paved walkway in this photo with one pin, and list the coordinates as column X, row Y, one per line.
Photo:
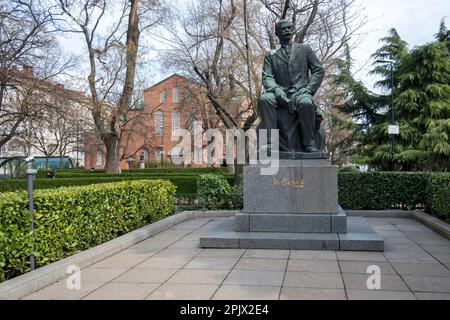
column 415, row 265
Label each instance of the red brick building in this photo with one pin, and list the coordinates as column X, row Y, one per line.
column 170, row 105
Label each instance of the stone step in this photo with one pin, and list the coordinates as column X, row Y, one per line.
column 359, row 237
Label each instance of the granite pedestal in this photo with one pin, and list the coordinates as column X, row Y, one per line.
column 297, row 208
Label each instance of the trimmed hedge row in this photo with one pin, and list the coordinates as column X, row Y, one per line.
column 69, row 220
column 185, row 184
column 401, row 190
column 71, row 173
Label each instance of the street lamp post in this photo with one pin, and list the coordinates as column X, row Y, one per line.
column 162, row 143
column 392, row 134
column 31, row 173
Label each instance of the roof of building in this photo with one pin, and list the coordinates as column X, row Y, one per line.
column 173, row 75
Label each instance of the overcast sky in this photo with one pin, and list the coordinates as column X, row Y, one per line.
column 415, row 20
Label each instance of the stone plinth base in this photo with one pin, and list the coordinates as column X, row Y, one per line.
column 359, row 237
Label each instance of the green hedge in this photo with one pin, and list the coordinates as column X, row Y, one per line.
column 185, row 184
column 438, row 195
column 69, row 220
column 401, row 190
column 72, row 173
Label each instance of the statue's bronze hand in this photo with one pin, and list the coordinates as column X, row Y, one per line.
column 281, row 97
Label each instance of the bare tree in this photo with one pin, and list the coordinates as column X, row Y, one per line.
column 222, row 44
column 29, row 60
column 111, row 32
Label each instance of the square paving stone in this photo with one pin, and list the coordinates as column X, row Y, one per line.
column 146, row 275
column 428, row 283
column 123, row 261
column 313, row 280
column 272, row 254
column 379, row 295
column 361, row 267
column 59, row 291
column 211, row 263
column 100, row 274
column 183, row 292
column 261, row 264
column 312, row 294
column 122, row 291
column 426, row 269
column 313, row 255
column 242, row 292
column 388, row 282
column 178, row 253
column 221, row 253
column 360, row 256
column 432, row 296
column 186, row 276
column 186, row 244
column 255, row 278
column 410, row 257
column 163, row 263
column 313, row 266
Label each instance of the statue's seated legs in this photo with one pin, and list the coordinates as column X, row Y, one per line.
column 297, row 130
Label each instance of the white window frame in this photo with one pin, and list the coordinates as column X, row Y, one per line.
column 175, row 94
column 176, row 126
column 159, row 127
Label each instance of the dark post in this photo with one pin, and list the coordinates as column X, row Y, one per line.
column 393, row 117
column 78, row 137
column 30, row 174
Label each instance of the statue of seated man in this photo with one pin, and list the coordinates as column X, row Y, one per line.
column 287, row 103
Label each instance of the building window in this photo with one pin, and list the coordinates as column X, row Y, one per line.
column 175, row 94
column 159, row 122
column 99, row 162
column 176, row 119
column 159, row 153
column 163, row 96
column 144, row 155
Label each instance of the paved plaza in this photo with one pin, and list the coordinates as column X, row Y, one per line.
column 171, row 265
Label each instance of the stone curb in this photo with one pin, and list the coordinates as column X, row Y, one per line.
column 432, row 223
column 379, row 213
column 30, row 282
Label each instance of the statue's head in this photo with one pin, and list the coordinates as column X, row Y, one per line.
column 284, row 30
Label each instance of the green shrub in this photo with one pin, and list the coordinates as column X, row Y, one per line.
column 186, row 184
column 438, row 195
column 382, row 190
column 214, row 192
column 69, row 220
column 238, row 197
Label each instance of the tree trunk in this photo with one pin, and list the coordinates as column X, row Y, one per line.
column 112, row 155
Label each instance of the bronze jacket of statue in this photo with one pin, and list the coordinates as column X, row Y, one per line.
column 292, row 75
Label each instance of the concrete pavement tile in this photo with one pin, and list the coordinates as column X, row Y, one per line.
column 186, row 276
column 426, row 269
column 100, row 274
column 163, row 263
column 122, row 291
column 411, row 257
column 255, row 278
column 221, row 253
column 178, row 253
column 59, row 291
column 261, row 264
column 183, row 292
column 313, row 266
column 312, row 294
column 242, row 292
column 428, row 283
column 360, row 256
column 432, row 296
column 146, row 276
column 313, row 255
column 361, row 267
column 313, row 280
column 122, row 261
column 388, row 282
column 211, row 263
column 379, row 295
column 271, row 254
column 186, row 244
column 437, row 249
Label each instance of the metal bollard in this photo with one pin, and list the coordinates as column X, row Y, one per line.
column 31, row 173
